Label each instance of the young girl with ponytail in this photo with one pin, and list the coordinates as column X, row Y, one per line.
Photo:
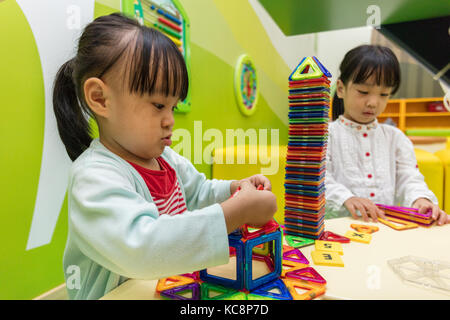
column 137, row 209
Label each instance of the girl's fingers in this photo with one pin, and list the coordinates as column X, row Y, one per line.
column 381, row 213
column 442, row 218
column 424, row 208
column 246, row 184
column 371, row 209
column 352, row 211
column 363, row 212
column 267, row 185
column 435, row 212
column 373, row 212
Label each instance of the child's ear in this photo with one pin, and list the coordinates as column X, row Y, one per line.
column 95, row 96
column 340, row 88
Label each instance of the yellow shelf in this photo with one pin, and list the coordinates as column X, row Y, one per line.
column 428, row 114
column 411, row 113
column 386, row 115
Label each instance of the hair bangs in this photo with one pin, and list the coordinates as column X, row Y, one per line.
column 382, row 66
column 157, row 66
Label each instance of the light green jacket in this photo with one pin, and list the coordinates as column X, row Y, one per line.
column 116, row 233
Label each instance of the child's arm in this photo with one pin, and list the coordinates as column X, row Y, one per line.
column 117, row 228
column 410, row 183
column 200, row 192
column 412, row 190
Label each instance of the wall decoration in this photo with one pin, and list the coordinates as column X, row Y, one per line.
column 246, row 85
column 168, row 17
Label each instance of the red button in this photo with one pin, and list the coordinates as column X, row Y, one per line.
column 367, row 154
column 372, row 194
column 365, row 135
column 369, row 176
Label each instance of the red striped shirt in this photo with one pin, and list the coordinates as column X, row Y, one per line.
column 164, row 187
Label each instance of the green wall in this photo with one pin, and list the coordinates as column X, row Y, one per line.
column 220, row 32
column 23, row 274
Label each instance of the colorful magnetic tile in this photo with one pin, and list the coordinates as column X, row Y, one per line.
column 176, row 293
column 251, row 233
column 330, row 236
column 313, row 291
column 364, row 228
column 238, row 283
column 262, row 249
column 324, row 258
column 418, row 220
column 265, row 290
column 295, row 255
column 172, row 282
column 211, row 291
column 359, row 236
column 288, row 265
column 236, row 296
column 194, row 275
column 404, row 225
column 306, row 274
column 276, row 253
column 298, row 242
column 329, row 246
column 252, row 296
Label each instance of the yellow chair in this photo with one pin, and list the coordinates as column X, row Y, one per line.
column 444, row 156
column 433, row 171
column 238, row 162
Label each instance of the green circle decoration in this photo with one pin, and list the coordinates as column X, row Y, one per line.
column 246, row 85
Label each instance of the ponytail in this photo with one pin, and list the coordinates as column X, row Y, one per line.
column 73, row 126
column 337, row 107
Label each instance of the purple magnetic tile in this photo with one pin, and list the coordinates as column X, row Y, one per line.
column 172, row 293
column 301, row 259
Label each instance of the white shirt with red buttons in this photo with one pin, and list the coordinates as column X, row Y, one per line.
column 374, row 161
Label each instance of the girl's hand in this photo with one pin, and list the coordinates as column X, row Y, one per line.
column 255, row 180
column 261, row 204
column 258, row 179
column 437, row 214
column 365, row 206
column 249, row 206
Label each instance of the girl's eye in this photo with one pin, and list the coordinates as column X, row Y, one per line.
column 158, row 105
column 363, row 92
column 385, row 94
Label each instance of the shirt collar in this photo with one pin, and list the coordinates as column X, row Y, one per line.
column 357, row 126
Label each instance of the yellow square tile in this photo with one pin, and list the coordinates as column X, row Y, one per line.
column 329, row 246
column 359, row 236
column 327, row 258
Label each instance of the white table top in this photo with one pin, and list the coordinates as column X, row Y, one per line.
column 365, row 275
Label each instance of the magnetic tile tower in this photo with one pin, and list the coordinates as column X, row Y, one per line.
column 309, row 105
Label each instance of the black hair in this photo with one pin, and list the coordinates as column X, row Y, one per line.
column 360, row 63
column 154, row 64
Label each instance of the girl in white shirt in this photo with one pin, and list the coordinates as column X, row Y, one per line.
column 369, row 162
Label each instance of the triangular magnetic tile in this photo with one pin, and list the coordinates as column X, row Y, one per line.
column 313, row 290
column 295, row 255
column 175, row 293
column 330, row 236
column 264, row 290
column 172, row 282
column 306, row 62
column 307, row 274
